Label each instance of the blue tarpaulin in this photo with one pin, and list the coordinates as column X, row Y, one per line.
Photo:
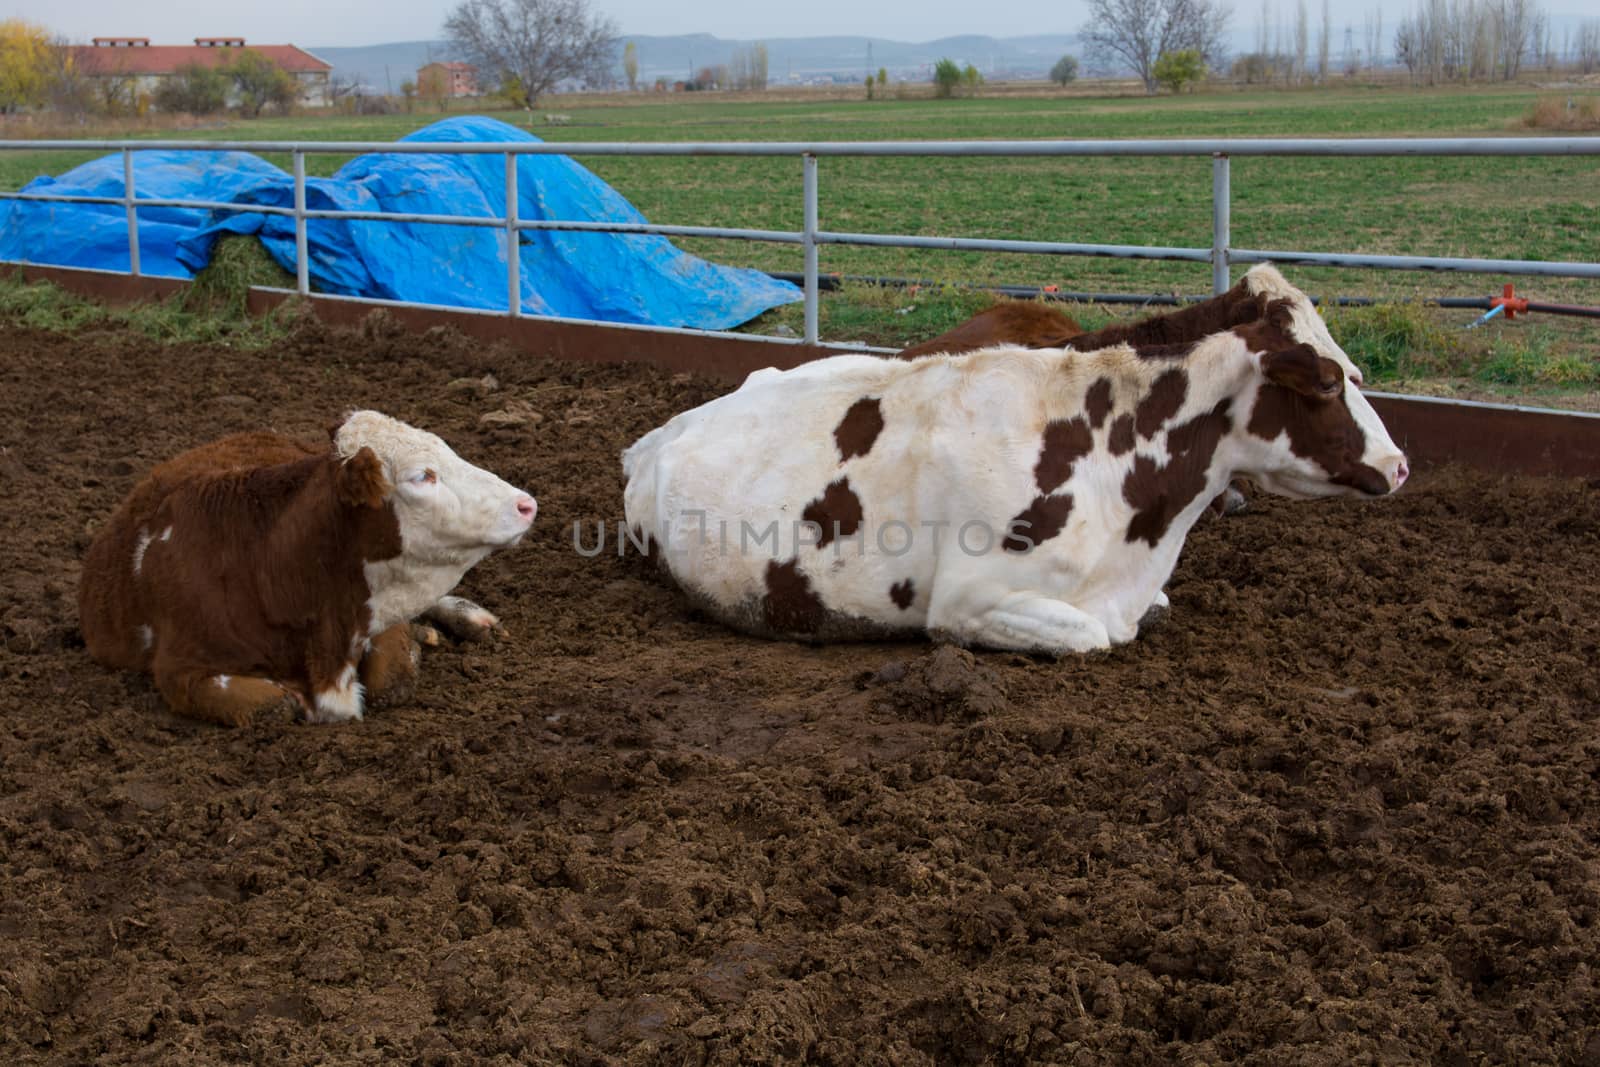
column 629, row 278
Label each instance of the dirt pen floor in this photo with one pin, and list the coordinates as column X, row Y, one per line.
column 1342, row 806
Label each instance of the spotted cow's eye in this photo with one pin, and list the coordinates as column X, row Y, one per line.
column 422, row 477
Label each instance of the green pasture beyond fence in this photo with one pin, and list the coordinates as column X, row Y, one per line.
column 1501, row 208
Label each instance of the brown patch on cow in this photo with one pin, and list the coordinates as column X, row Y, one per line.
column 1158, row 492
column 361, row 481
column 1165, row 398
column 1236, row 307
column 789, row 605
column 1166, row 353
column 859, row 428
column 1015, row 322
column 1121, row 440
column 1303, row 397
column 837, row 512
column 903, row 593
column 1037, row 523
column 1097, row 402
column 1269, row 331
column 1065, row 442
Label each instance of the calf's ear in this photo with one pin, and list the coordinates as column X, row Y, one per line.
column 361, row 481
column 1301, row 369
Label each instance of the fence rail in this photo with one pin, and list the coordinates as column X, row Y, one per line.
column 1221, row 255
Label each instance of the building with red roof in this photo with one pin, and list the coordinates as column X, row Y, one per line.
column 144, row 65
column 448, row 79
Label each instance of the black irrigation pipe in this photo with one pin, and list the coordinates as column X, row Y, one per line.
column 832, row 282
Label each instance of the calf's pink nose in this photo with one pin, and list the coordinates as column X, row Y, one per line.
column 526, row 507
column 1401, row 473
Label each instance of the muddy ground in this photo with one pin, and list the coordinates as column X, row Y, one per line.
column 1344, row 806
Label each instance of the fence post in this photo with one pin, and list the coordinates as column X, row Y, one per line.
column 513, row 248
column 1220, row 236
column 302, row 259
column 133, row 213
column 809, row 243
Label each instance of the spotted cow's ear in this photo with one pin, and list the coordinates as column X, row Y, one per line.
column 1302, row 370
column 361, row 481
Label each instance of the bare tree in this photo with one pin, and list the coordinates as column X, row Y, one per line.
column 1136, row 33
column 758, row 67
column 748, row 68
column 1520, row 26
column 533, row 44
column 1588, row 47
column 1300, row 42
column 69, row 90
column 1323, row 44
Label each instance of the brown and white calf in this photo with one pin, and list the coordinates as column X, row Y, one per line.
column 257, row 572
column 1009, row 498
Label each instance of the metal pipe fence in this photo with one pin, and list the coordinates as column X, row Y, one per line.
column 1220, row 255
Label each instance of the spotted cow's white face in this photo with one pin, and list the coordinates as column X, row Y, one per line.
column 1323, row 437
column 449, row 511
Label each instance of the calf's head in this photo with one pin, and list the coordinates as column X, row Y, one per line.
column 449, row 513
column 1317, row 434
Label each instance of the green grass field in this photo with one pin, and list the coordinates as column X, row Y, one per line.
column 1539, row 208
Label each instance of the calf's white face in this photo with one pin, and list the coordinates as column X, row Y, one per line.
column 448, row 510
column 450, row 514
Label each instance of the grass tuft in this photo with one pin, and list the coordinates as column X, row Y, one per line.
column 1533, row 359
column 181, row 319
column 237, row 262
column 1390, row 341
column 1564, row 112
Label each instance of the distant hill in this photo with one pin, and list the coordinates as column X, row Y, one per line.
column 382, row 67
column 799, row 60
column 789, row 60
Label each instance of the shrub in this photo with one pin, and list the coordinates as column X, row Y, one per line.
column 193, row 89
column 1065, row 70
column 1179, row 70
column 946, row 77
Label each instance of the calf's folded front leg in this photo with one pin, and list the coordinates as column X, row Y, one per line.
column 389, row 668
column 229, row 699
column 461, row 618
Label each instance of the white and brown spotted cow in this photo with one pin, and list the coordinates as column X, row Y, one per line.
column 1009, row 498
column 258, row 572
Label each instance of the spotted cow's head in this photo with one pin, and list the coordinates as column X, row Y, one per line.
column 1322, row 437
column 448, row 511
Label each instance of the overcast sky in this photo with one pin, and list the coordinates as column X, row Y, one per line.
column 360, row 22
